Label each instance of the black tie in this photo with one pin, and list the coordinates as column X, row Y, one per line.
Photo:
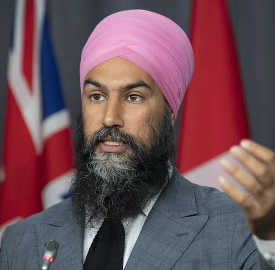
column 107, row 250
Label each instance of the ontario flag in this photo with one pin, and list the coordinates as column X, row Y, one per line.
column 37, row 151
column 214, row 116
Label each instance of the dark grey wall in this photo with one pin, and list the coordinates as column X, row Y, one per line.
column 254, row 23
column 72, row 21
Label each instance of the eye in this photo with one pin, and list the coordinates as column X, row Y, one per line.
column 96, row 97
column 134, row 98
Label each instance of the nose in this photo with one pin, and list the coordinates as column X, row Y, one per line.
column 113, row 114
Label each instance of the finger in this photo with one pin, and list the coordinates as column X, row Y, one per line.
column 238, row 196
column 254, row 166
column 245, row 179
column 258, row 151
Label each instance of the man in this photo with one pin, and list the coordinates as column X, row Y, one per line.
column 130, row 208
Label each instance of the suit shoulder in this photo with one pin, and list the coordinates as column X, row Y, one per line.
column 23, row 235
column 54, row 214
column 214, row 201
column 209, row 200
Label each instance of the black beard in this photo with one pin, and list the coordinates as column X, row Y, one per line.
column 118, row 186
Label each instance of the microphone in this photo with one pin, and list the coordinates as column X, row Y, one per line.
column 49, row 254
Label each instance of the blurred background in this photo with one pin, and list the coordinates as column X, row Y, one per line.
column 71, row 22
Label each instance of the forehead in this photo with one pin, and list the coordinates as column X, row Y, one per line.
column 119, row 69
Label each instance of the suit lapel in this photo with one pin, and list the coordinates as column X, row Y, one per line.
column 65, row 230
column 170, row 228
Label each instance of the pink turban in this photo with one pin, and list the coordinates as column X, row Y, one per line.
column 151, row 41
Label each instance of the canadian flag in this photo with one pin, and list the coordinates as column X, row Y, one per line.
column 37, row 151
column 214, row 115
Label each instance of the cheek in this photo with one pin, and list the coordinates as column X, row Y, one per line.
column 138, row 125
column 90, row 123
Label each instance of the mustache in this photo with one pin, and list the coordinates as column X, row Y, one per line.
column 115, row 134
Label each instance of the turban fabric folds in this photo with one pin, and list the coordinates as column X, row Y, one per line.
column 151, row 41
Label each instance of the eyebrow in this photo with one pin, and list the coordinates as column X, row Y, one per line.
column 136, row 85
column 93, row 82
column 130, row 86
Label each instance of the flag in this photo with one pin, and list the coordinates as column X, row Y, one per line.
column 37, row 157
column 214, row 115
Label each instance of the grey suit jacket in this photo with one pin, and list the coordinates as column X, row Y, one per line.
column 190, row 227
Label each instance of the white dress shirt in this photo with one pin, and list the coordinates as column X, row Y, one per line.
column 266, row 248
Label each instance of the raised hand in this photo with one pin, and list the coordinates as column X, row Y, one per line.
column 258, row 203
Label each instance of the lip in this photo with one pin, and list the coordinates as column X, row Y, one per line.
column 109, row 146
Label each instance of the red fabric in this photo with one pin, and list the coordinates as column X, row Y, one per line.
column 57, row 156
column 28, row 42
column 19, row 192
column 27, row 170
column 213, row 116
